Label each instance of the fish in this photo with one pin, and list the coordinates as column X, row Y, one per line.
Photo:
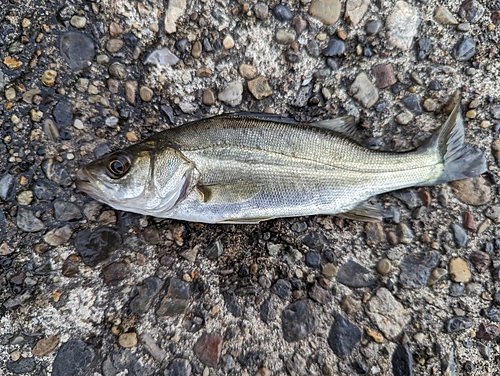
column 244, row 168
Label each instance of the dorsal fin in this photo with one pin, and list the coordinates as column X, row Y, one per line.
column 343, row 125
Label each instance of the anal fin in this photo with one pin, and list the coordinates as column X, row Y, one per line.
column 366, row 211
column 244, row 221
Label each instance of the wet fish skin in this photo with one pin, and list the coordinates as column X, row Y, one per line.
column 245, row 168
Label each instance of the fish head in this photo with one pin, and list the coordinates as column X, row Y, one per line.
column 139, row 179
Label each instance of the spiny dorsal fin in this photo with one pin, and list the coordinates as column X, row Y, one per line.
column 343, row 125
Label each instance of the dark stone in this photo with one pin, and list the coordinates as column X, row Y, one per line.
column 409, row 196
column 488, row 332
column 45, row 191
column 267, row 312
column 343, row 336
column 471, row 10
column 66, row 211
column 169, row 113
column 461, row 237
column 182, row 45
column 416, row 269
column 435, row 85
column 332, row 64
column 231, row 302
column 491, row 313
column 176, row 300
column 244, row 271
column 302, row 96
column 353, row 274
column 368, row 52
column 251, row 359
column 298, row 320
column 27, row 221
column 117, row 362
column 465, row 49
column 412, row 103
column 214, row 250
column 319, row 294
column 402, row 361
column 23, row 365
column 95, row 246
column 457, row 289
column 336, row 47
column 207, row 46
column 480, row 260
column 312, row 48
column 77, row 49
column 179, row 367
column 227, row 363
column 313, row 260
column 457, row 324
column 54, row 171
column 282, row 13
column 73, row 358
column 283, row 289
column 147, row 292
column 315, row 240
column 63, row 113
column 292, row 56
column 8, row 187
column 372, row 27
column 423, row 47
column 69, row 268
column 114, row 272
column 208, row 349
column 361, row 367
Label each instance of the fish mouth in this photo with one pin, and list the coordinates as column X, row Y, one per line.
column 84, row 184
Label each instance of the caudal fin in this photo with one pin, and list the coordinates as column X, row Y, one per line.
column 461, row 160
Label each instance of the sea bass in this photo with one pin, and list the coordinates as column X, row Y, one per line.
column 246, row 168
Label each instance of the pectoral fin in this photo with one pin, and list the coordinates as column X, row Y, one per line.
column 343, row 125
column 367, row 211
column 227, row 193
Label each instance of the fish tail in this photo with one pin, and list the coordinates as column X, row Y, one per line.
column 461, row 160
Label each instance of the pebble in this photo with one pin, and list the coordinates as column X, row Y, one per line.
column 412, row 103
column 457, row 289
column 114, row 45
column 232, row 94
column 495, row 149
column 196, row 49
column 458, row 324
column 416, row 268
column 58, row 236
column 327, row 11
column 175, row 10
column 374, row 233
column 117, row 70
column 45, row 346
column 384, row 75
column 114, row 273
column 336, row 47
column 480, row 260
column 402, row 25
column 12, row 63
column 208, row 349
column 472, row 191
column 146, row 93
column 65, row 211
column 299, row 24
column 493, row 213
column 343, row 336
column 176, row 300
column 313, row 260
column 10, row 93
column 405, row 234
column 78, row 22
column 260, row 88
column 284, row 36
column 148, row 290
column 364, row 91
column 387, row 313
column 247, row 71
column 443, row 16
column 319, row 294
column 352, row 274
column 131, row 91
column 465, row 49
column 128, row 340
column 231, row 303
column 74, row 357
column 228, row 42
column 372, row 27
column 298, row 320
column 208, row 97
column 282, row 13
column 430, row 105
column 459, row 271
column 329, row 270
column 460, row 235
column 163, row 57
column 179, row 367
column 49, row 78
column 488, row 332
column 402, row 361
column 26, row 221
column 21, row 366
column 96, row 245
column 468, row 221
column 355, row 10
column 436, row 275
column 471, row 10
column 423, row 47
column 384, row 266
column 77, row 49
column 267, row 312
column 261, row 11
column 283, row 289
column 203, row 72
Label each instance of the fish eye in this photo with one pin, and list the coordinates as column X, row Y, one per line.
column 118, row 165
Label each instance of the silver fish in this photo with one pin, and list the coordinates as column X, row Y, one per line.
column 246, row 168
